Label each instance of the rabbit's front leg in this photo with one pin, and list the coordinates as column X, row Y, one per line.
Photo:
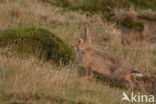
column 89, row 73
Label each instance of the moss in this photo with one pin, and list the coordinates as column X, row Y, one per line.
column 37, row 42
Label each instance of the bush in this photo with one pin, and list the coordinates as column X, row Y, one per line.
column 37, row 42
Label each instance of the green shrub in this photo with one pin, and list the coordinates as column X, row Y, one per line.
column 38, row 42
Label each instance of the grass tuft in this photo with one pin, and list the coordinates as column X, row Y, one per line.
column 132, row 24
column 38, row 42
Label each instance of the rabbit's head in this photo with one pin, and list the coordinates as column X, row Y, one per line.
column 83, row 42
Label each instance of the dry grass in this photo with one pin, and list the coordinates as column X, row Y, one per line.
column 30, row 81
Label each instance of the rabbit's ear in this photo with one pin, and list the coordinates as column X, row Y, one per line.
column 87, row 31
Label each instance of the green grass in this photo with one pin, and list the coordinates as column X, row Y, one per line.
column 37, row 41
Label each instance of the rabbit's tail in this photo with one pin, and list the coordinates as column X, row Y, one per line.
column 137, row 73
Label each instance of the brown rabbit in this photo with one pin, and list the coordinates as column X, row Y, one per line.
column 111, row 66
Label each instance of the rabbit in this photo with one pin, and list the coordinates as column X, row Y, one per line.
column 95, row 60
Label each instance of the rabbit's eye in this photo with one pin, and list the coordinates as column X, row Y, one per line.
column 79, row 41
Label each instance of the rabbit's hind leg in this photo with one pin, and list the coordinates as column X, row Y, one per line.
column 130, row 79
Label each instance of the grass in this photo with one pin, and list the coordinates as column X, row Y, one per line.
column 37, row 41
column 132, row 24
column 106, row 8
column 141, row 4
column 24, row 82
column 147, row 16
column 29, row 80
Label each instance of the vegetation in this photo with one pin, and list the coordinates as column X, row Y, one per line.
column 94, row 5
column 148, row 16
column 106, row 8
column 28, row 80
column 37, row 41
column 132, row 24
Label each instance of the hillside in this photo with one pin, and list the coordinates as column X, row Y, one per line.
column 29, row 80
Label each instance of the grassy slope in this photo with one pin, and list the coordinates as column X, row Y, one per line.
column 106, row 8
column 42, row 83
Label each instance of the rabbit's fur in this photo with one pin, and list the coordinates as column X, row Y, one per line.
column 114, row 67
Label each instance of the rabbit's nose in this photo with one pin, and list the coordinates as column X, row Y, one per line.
column 73, row 46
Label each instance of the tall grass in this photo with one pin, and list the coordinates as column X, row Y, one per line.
column 106, row 8
column 24, row 82
column 100, row 4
